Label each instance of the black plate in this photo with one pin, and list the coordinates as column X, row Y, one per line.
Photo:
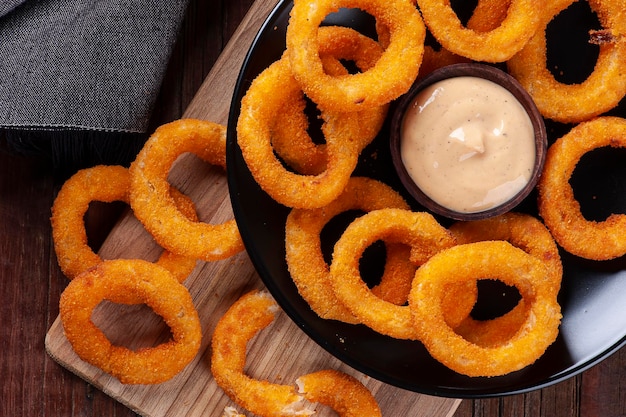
column 593, row 295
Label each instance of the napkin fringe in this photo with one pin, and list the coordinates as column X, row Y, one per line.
column 67, row 151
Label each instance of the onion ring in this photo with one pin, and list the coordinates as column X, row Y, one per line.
column 290, row 138
column 527, row 233
column 259, row 108
column 154, row 207
column 149, row 283
column 386, row 81
column 574, row 103
column 557, row 204
column 305, row 260
column 244, row 319
column 340, row 391
column 105, row 183
column 495, row 260
column 497, row 45
column 418, row 230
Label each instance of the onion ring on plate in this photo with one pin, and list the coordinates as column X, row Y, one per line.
column 245, row 318
column 260, row 106
column 122, row 281
column 470, row 262
column 497, row 45
column 105, row 183
column 527, row 233
column 305, row 260
column 340, row 391
column 393, row 74
column 574, row 103
column 153, row 205
column 418, row 230
column 557, row 204
column 290, row 138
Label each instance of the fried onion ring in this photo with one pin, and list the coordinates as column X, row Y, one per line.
column 153, row 205
column 418, row 230
column 244, row 319
column 573, row 103
column 105, row 183
column 481, row 260
column 305, row 260
column 387, row 80
column 148, row 283
column 340, row 391
column 290, row 138
column 527, row 233
column 557, row 204
column 496, row 45
column 260, row 106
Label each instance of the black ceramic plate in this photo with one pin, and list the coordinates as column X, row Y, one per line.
column 593, row 295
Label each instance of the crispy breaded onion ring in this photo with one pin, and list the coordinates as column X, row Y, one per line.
column 496, row 45
column 393, row 73
column 557, row 204
column 290, row 138
column 340, row 391
column 155, row 208
column 305, row 260
column 527, row 233
column 105, row 183
column 573, row 103
column 418, row 230
column 265, row 98
column 137, row 281
column 245, row 318
column 484, row 260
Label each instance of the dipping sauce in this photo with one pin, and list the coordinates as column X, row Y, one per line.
column 468, row 144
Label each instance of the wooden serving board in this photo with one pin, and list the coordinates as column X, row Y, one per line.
column 280, row 353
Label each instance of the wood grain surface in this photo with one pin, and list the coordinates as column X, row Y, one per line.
column 35, row 385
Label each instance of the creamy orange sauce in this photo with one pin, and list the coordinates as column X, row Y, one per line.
column 468, row 144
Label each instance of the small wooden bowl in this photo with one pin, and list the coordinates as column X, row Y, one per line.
column 489, row 73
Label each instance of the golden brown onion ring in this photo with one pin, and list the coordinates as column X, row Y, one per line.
column 557, row 204
column 393, row 73
column 260, row 106
column 418, row 230
column 245, row 318
column 105, row 183
column 154, row 206
column 474, row 261
column 122, row 281
column 574, row 103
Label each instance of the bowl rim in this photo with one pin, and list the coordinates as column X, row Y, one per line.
column 490, row 73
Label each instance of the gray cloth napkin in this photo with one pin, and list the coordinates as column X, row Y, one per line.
column 83, row 65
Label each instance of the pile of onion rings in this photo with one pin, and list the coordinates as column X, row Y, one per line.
column 171, row 218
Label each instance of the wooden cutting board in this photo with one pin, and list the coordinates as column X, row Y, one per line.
column 280, row 353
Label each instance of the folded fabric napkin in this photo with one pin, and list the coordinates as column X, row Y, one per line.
column 75, row 72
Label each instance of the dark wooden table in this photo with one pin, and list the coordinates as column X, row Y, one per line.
column 31, row 282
